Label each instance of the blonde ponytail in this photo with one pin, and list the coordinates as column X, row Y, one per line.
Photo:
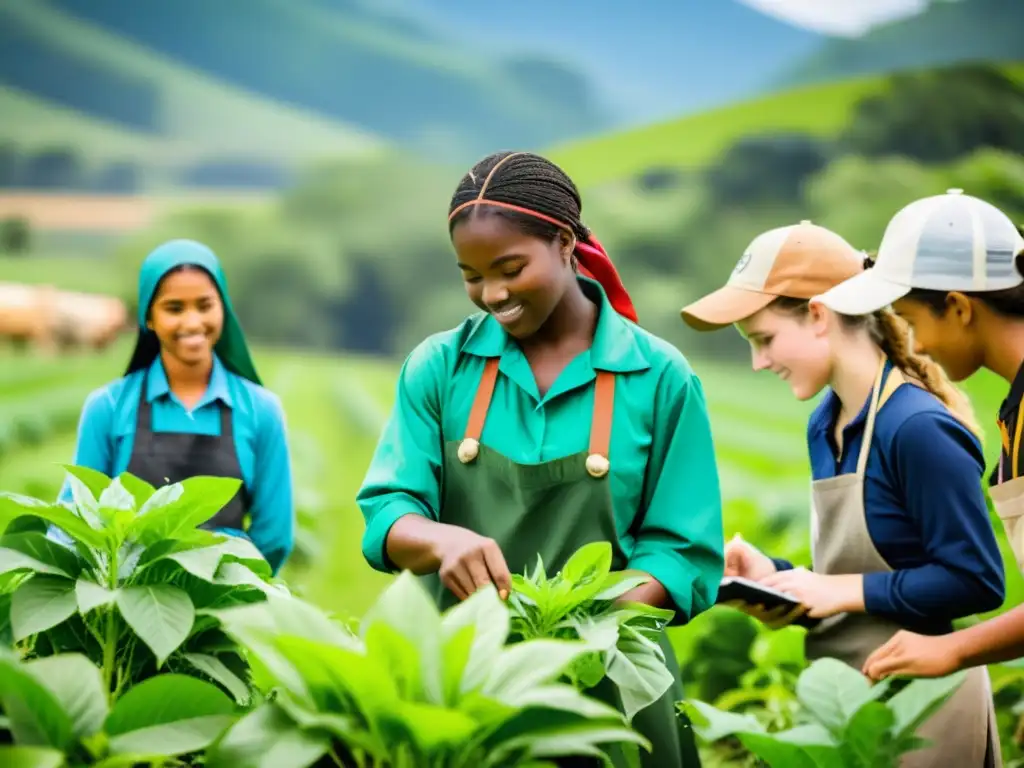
column 892, row 334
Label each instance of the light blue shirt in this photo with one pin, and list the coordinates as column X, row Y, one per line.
column 106, row 434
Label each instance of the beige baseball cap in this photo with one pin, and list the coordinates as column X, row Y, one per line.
column 950, row 242
column 798, row 261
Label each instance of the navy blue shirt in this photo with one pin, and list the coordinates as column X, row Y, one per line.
column 924, row 505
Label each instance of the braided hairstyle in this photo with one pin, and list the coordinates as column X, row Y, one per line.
column 524, row 180
column 540, row 199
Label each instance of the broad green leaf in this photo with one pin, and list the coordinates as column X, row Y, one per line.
column 617, row 584
column 406, row 608
column 396, row 652
column 31, row 757
column 348, row 728
column 777, row 753
column 523, row 666
column 199, row 500
column 232, row 574
column 13, row 560
column 325, row 669
column 867, row 740
column 170, row 709
column 161, row 615
column 77, row 684
column 83, row 498
column 218, row 670
column 782, row 647
column 40, row 603
column 91, row 595
column 590, row 562
column 162, row 498
column 170, row 739
column 140, row 490
column 201, row 563
column 485, row 612
column 637, row 667
column 13, row 506
column 92, row 480
column 268, row 738
column 832, row 692
column 57, row 559
column 712, row 724
column 585, row 738
column 35, row 716
column 567, row 699
column 431, row 727
column 920, row 700
column 116, row 497
column 455, row 656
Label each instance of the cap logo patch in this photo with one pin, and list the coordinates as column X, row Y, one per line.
column 742, row 263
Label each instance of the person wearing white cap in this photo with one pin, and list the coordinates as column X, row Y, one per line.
column 951, row 266
column 900, row 533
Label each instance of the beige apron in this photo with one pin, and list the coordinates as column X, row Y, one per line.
column 840, row 544
column 1008, row 496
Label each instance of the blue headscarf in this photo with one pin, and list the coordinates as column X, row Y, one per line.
column 231, row 348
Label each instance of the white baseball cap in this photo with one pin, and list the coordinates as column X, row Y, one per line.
column 950, row 242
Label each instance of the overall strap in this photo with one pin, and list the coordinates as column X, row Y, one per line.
column 879, row 396
column 601, row 421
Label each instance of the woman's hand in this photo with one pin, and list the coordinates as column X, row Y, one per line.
column 746, row 561
column 822, row 595
column 911, row 655
column 469, row 561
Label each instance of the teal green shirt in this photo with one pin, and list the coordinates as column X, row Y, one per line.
column 663, row 467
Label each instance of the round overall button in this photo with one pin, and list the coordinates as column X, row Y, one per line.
column 468, row 450
column 597, row 465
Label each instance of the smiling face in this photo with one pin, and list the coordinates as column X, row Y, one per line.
column 951, row 337
column 187, row 316
column 794, row 346
column 517, row 278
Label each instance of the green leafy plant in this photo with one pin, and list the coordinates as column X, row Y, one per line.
column 58, row 716
column 844, row 721
column 413, row 687
column 767, row 690
column 133, row 590
column 582, row 602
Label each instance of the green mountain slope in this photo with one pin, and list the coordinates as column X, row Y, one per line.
column 198, row 117
column 817, row 110
column 947, row 31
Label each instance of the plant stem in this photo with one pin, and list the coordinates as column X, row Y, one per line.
column 110, row 642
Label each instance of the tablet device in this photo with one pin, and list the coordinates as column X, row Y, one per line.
column 734, row 588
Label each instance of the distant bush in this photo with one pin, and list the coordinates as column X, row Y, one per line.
column 940, row 115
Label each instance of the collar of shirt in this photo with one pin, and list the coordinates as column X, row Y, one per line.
column 614, row 349
column 1009, row 406
column 157, row 385
column 822, row 426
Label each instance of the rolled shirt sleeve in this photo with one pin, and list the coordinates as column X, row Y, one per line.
column 680, row 541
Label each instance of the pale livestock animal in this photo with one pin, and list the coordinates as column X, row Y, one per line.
column 50, row 319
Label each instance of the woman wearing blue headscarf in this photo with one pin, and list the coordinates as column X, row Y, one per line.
column 191, row 403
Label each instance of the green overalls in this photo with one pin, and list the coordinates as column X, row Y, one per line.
column 553, row 508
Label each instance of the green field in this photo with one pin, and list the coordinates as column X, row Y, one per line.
column 818, row 110
column 336, row 406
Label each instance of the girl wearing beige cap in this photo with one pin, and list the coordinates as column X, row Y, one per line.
column 901, row 537
column 951, row 266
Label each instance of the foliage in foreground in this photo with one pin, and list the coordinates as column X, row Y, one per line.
column 411, row 687
column 845, row 721
column 133, row 590
column 579, row 602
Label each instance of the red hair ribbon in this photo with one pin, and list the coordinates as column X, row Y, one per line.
column 591, row 257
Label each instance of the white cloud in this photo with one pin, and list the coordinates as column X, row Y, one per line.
column 837, row 17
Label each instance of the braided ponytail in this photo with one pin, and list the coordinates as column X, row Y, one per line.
column 892, row 334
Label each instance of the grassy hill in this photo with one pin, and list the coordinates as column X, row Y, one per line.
column 819, row 110
column 193, row 116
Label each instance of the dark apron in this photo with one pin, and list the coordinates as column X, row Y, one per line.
column 554, row 508
column 161, row 458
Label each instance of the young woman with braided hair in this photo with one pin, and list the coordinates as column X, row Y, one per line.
column 900, row 533
column 546, row 421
